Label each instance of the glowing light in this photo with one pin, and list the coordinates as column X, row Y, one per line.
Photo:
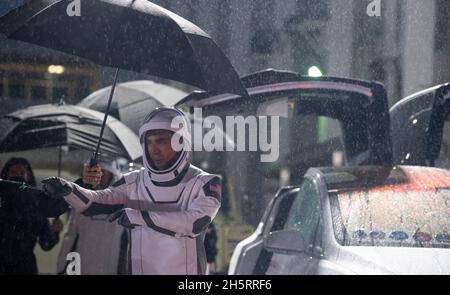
column 55, row 69
column 314, row 72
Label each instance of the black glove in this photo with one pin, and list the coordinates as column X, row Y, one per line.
column 122, row 219
column 57, row 187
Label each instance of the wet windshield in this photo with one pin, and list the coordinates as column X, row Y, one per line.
column 394, row 215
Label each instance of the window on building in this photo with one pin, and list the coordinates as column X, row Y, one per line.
column 264, row 35
column 38, row 93
column 17, row 91
column 442, row 25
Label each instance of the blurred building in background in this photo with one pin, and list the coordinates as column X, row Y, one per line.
column 406, row 47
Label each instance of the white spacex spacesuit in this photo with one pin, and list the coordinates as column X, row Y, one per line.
column 171, row 208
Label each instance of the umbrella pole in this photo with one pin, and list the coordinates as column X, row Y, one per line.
column 59, row 160
column 93, row 160
column 59, row 170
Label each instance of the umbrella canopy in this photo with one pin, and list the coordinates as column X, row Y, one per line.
column 135, row 35
column 59, row 125
column 134, row 100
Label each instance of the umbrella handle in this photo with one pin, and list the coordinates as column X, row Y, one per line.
column 91, row 163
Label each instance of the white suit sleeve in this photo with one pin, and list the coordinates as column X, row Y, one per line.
column 90, row 202
column 191, row 222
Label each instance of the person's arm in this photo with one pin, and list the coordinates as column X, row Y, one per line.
column 90, row 202
column 46, row 205
column 48, row 237
column 7, row 186
column 191, row 222
column 51, row 207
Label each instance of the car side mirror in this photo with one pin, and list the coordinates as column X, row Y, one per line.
column 289, row 242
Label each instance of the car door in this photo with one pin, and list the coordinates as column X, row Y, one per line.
column 420, row 128
column 301, row 217
column 247, row 253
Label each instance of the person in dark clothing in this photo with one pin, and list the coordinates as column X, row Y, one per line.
column 210, row 246
column 23, row 218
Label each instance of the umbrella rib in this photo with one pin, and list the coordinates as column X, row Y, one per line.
column 18, row 27
column 81, row 131
column 62, row 126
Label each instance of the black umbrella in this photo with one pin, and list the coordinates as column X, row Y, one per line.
column 135, row 35
column 134, row 100
column 60, row 125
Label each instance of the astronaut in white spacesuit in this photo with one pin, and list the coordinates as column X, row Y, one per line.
column 168, row 205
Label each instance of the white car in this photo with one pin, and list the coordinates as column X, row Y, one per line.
column 355, row 220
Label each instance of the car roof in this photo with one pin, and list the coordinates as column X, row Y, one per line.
column 414, row 178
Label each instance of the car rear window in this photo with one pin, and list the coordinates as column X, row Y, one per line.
column 404, row 206
column 393, row 215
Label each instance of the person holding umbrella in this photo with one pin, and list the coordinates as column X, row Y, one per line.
column 168, row 205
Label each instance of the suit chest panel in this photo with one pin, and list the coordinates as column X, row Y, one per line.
column 148, row 196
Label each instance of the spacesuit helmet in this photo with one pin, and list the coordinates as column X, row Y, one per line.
column 173, row 120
